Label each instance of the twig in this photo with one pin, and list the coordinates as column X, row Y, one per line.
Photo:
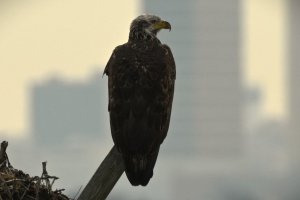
column 4, row 145
column 26, row 190
column 37, row 188
column 54, row 179
column 44, row 176
column 13, row 180
column 5, row 186
column 3, row 156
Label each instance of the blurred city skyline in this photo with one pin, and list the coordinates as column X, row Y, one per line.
column 36, row 44
column 235, row 99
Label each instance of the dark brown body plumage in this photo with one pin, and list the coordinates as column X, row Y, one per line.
column 141, row 87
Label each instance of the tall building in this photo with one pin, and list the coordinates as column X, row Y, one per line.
column 294, row 74
column 62, row 109
column 205, row 40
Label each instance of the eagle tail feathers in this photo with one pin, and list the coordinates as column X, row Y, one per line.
column 139, row 169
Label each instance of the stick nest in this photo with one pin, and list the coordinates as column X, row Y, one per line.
column 16, row 185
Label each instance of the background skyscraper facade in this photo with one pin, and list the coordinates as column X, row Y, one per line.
column 294, row 76
column 206, row 44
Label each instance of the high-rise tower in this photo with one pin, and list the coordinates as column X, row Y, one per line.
column 205, row 41
column 294, row 76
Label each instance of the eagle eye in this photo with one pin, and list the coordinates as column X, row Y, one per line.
column 152, row 21
column 144, row 24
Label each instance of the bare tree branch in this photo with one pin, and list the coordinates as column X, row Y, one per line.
column 104, row 179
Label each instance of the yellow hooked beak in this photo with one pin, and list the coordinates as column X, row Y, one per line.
column 162, row 25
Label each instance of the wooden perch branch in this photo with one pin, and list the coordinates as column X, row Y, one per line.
column 104, row 179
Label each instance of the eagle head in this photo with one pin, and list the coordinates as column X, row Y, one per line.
column 146, row 27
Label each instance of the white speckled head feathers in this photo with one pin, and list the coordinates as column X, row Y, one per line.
column 146, row 27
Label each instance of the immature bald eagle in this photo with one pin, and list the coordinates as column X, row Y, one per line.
column 141, row 76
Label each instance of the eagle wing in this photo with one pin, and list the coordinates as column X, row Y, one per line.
column 170, row 76
column 141, row 89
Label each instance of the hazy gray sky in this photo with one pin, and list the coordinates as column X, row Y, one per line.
column 69, row 37
column 42, row 38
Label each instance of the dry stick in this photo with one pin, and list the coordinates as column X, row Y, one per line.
column 4, row 145
column 3, row 159
column 25, row 192
column 45, row 176
column 6, row 187
column 38, row 185
column 104, row 179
